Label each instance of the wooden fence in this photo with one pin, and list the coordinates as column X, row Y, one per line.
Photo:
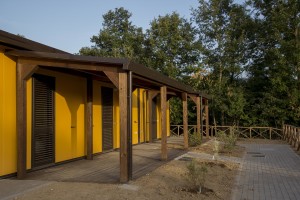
column 291, row 134
column 242, row 132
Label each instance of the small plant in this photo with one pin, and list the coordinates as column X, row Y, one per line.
column 221, row 136
column 196, row 175
column 194, row 139
column 228, row 140
column 216, row 148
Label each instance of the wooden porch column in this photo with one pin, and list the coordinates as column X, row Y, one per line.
column 199, row 118
column 207, row 118
column 163, row 105
column 89, row 119
column 185, row 120
column 21, row 123
column 23, row 73
column 124, row 122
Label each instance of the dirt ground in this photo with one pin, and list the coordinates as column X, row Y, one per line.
column 166, row 182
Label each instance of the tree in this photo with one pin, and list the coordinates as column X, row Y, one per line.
column 171, row 46
column 273, row 74
column 117, row 38
column 221, row 29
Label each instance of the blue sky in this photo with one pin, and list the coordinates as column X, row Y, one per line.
column 68, row 25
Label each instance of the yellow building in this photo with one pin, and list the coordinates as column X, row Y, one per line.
column 56, row 107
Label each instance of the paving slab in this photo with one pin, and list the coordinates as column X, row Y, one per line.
column 268, row 171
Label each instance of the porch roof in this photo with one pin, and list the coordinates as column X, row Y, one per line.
column 17, row 46
column 11, row 41
column 139, row 71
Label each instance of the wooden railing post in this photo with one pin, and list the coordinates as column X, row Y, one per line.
column 283, row 131
column 289, row 133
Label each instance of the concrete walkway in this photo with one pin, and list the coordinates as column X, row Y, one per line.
column 10, row 189
column 268, row 171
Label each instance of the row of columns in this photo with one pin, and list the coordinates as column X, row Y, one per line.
column 123, row 81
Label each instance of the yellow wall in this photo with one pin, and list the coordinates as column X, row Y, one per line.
column 168, row 119
column 142, row 115
column 97, row 118
column 158, row 117
column 116, row 120
column 8, row 138
column 135, row 119
column 70, row 98
column 139, row 95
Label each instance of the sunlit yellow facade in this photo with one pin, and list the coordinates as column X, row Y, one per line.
column 69, row 121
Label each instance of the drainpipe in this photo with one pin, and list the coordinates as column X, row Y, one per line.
column 129, row 144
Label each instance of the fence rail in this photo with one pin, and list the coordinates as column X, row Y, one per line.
column 291, row 134
column 242, row 132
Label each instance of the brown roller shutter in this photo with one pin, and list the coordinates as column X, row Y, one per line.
column 107, row 118
column 43, row 121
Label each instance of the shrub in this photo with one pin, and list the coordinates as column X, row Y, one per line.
column 216, row 147
column 196, row 175
column 194, row 139
column 228, row 140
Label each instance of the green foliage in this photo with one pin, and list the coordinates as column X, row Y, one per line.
column 274, row 70
column 216, row 147
column 229, row 140
column 171, row 46
column 117, row 38
column 175, row 111
column 245, row 56
column 194, row 139
column 221, row 31
column 196, row 175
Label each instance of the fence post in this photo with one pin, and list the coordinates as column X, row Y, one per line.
column 283, row 131
column 294, row 133
column 286, row 132
column 298, row 147
column 292, row 136
column 250, row 132
column 270, row 132
column 178, row 130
